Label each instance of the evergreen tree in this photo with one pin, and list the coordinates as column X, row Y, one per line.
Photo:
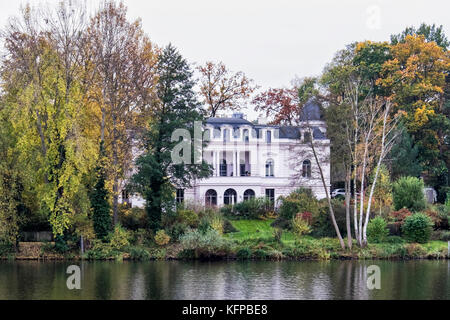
column 99, row 200
column 404, row 157
column 176, row 108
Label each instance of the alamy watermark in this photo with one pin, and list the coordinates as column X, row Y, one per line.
column 374, row 277
column 74, row 280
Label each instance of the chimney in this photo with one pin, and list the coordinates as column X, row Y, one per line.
column 262, row 120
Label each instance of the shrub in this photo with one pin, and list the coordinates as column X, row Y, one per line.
column 300, row 225
column 141, row 237
column 161, row 238
column 188, row 217
column 254, row 208
column 261, row 254
column 394, row 240
column 277, row 234
column 6, row 249
column 101, row 251
column 133, row 218
column 228, row 227
column 138, row 253
column 301, row 200
column 408, row 193
column 204, row 243
column 322, row 225
column 417, row 228
column 176, row 230
column 400, row 215
column 217, row 224
column 119, row 238
column 244, row 253
column 377, row 230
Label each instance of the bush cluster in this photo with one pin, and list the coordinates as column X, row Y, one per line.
column 417, row 228
column 408, row 193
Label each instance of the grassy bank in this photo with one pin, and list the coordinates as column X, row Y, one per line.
column 254, row 240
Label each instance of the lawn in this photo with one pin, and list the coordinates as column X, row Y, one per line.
column 255, row 230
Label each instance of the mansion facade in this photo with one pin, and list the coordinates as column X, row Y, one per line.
column 259, row 160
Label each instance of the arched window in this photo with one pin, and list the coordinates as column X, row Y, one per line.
column 306, row 169
column 269, row 168
column 249, row 194
column 211, row 198
column 230, row 197
column 245, row 136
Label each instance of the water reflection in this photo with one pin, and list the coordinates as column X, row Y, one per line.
column 226, row 280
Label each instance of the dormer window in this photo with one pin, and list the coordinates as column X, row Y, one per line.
column 307, row 137
column 245, row 135
column 226, row 135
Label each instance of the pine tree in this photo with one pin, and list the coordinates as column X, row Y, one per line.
column 177, row 108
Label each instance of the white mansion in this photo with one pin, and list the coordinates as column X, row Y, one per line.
column 259, row 160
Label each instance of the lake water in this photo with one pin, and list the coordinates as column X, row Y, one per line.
column 226, row 280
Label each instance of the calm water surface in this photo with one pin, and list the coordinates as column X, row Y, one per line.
column 226, row 280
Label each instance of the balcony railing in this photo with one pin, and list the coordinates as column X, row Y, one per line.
column 245, row 170
column 227, row 170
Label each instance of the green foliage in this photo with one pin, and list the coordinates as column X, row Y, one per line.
column 408, row 193
column 405, row 156
column 301, row 200
column 177, row 108
column 430, row 32
column 244, row 253
column 119, row 239
column 6, row 249
column 139, row 253
column 98, row 197
column 161, row 238
column 300, row 226
column 417, row 228
column 204, row 244
column 377, row 230
column 133, row 218
column 278, row 234
column 188, row 217
column 228, row 227
column 254, row 208
column 102, row 251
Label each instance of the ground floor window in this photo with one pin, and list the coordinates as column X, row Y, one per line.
column 249, row 194
column 270, row 195
column 211, row 198
column 230, row 197
column 180, row 195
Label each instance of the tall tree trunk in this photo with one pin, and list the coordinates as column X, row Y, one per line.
column 325, row 187
column 347, row 208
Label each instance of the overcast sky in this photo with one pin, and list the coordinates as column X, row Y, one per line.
column 271, row 41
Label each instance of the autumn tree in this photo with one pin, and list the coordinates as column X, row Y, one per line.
column 416, row 81
column 123, row 72
column 222, row 89
column 45, row 97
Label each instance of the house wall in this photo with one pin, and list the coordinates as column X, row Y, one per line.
column 288, row 156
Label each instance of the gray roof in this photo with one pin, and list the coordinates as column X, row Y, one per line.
column 289, row 132
column 232, row 121
column 285, row 132
column 311, row 111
